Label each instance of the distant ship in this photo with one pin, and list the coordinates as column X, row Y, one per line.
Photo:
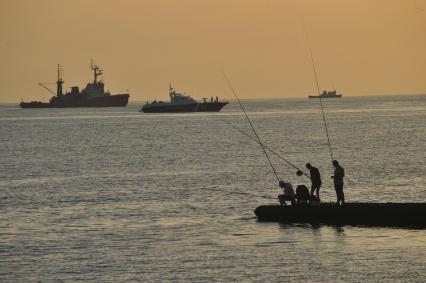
column 93, row 95
column 180, row 103
column 327, row 94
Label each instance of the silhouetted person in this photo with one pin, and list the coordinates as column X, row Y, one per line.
column 288, row 193
column 302, row 194
column 339, row 173
column 315, row 179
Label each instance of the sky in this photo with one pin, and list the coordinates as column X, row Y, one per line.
column 360, row 47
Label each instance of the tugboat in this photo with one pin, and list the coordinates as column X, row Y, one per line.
column 327, row 94
column 180, row 103
column 93, row 95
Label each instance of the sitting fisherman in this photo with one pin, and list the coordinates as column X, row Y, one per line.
column 302, row 194
column 288, row 193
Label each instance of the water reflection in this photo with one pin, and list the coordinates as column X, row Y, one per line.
column 119, row 198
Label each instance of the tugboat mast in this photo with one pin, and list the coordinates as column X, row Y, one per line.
column 59, row 83
column 171, row 92
column 96, row 71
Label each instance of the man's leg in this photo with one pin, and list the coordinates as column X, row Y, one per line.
column 280, row 199
column 337, row 192
column 340, row 195
column 317, row 191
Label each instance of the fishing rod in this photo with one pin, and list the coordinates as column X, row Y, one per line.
column 251, row 125
column 318, row 89
column 268, row 148
column 239, row 193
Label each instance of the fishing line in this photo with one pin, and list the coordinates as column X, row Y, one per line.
column 238, row 193
column 318, row 88
column 268, row 148
column 251, row 125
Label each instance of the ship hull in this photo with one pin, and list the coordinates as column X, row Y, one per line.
column 368, row 214
column 118, row 100
column 199, row 107
column 183, row 108
column 334, row 96
column 211, row 107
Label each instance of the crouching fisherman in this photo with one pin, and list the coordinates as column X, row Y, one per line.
column 302, row 194
column 288, row 193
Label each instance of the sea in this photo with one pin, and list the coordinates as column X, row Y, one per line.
column 114, row 195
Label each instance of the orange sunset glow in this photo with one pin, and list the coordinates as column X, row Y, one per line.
column 360, row 47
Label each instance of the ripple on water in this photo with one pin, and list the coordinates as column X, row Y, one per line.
column 109, row 195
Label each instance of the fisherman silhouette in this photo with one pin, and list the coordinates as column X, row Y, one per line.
column 315, row 179
column 302, row 194
column 288, row 193
column 339, row 173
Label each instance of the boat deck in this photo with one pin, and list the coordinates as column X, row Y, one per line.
column 368, row 214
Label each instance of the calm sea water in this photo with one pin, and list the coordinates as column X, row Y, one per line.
column 113, row 195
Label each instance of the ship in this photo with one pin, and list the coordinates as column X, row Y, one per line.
column 93, row 95
column 327, row 94
column 180, row 103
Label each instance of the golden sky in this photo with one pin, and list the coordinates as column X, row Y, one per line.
column 361, row 47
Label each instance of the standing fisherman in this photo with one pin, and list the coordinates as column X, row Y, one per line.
column 339, row 173
column 315, row 179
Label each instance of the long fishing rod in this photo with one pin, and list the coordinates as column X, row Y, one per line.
column 251, row 125
column 239, row 193
column 319, row 91
column 268, row 148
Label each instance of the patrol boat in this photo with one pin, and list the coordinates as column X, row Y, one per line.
column 93, row 95
column 327, row 94
column 180, row 103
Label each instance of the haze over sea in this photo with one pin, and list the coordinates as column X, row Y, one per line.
column 110, row 194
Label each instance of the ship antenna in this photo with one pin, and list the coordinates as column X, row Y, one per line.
column 252, row 127
column 318, row 89
column 171, row 92
column 96, row 71
column 59, row 82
